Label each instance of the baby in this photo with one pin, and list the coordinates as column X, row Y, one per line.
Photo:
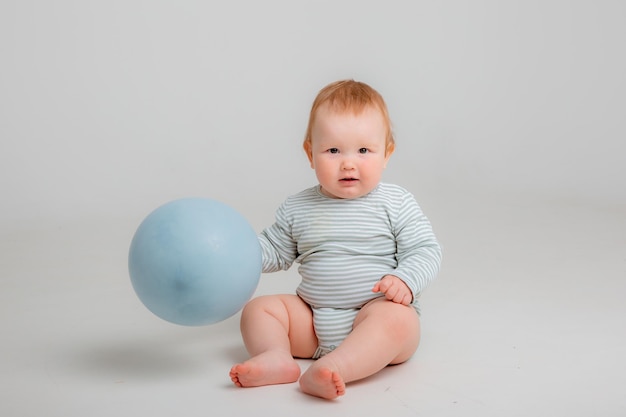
column 365, row 249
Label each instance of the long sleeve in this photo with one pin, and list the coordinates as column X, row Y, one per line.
column 279, row 249
column 344, row 246
column 418, row 251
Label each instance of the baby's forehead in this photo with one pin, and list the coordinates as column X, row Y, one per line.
column 352, row 108
column 332, row 124
column 327, row 114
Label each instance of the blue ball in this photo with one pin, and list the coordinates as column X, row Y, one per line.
column 194, row 261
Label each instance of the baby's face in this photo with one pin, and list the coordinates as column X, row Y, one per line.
column 348, row 151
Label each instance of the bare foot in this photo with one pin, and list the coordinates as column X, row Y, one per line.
column 268, row 368
column 322, row 382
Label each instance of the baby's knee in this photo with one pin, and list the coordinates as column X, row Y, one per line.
column 254, row 306
column 398, row 318
column 278, row 306
column 258, row 303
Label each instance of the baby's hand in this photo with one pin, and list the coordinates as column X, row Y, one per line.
column 394, row 290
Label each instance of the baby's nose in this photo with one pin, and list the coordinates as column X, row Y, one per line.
column 347, row 164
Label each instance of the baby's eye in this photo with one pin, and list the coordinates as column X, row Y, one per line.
column 333, row 150
column 363, row 150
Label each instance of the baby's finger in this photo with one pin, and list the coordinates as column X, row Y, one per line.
column 405, row 300
column 391, row 293
column 382, row 286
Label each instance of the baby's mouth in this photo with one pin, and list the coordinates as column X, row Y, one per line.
column 349, row 179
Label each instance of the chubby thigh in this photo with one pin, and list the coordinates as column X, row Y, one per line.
column 395, row 323
column 268, row 319
column 293, row 314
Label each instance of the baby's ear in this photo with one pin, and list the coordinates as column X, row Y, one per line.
column 309, row 151
column 389, row 149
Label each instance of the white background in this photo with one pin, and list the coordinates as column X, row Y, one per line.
column 510, row 129
column 109, row 108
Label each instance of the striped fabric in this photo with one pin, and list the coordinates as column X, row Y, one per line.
column 344, row 246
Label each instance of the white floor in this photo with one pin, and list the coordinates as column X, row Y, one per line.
column 527, row 318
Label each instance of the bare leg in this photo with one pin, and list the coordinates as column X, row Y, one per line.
column 384, row 333
column 274, row 329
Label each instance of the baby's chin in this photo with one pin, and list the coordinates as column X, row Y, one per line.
column 348, row 190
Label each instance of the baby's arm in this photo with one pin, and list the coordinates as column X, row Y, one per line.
column 277, row 246
column 418, row 252
column 394, row 289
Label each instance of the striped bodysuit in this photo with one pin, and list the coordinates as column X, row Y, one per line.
column 344, row 246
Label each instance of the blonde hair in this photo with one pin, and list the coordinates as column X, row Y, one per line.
column 354, row 96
